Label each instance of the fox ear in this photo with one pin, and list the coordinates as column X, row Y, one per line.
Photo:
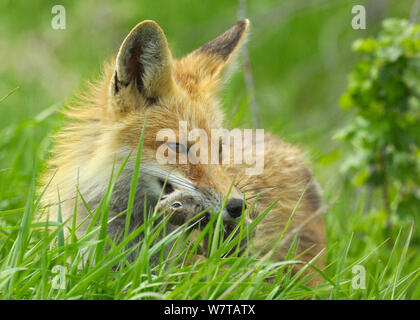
column 143, row 61
column 214, row 55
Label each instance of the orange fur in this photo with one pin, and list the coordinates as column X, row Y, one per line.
column 145, row 82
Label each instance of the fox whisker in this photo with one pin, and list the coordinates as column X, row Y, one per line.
column 169, row 177
column 260, row 193
column 259, row 188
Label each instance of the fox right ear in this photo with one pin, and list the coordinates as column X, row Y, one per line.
column 212, row 58
column 143, row 62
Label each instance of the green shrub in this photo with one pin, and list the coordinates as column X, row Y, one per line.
column 384, row 94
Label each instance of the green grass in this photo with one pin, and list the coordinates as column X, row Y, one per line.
column 300, row 60
column 29, row 252
column 27, row 270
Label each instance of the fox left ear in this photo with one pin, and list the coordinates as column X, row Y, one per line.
column 143, row 62
column 211, row 58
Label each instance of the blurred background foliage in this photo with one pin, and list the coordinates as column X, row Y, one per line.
column 300, row 52
column 384, row 88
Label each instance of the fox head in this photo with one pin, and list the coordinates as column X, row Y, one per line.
column 145, row 84
column 148, row 83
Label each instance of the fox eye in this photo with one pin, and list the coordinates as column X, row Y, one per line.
column 176, row 205
column 177, row 147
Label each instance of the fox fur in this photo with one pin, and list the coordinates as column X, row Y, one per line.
column 146, row 82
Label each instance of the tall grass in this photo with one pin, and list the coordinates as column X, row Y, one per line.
column 87, row 271
column 97, row 266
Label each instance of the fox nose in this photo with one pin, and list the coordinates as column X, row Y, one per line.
column 234, row 208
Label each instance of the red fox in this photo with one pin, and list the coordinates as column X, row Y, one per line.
column 146, row 82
